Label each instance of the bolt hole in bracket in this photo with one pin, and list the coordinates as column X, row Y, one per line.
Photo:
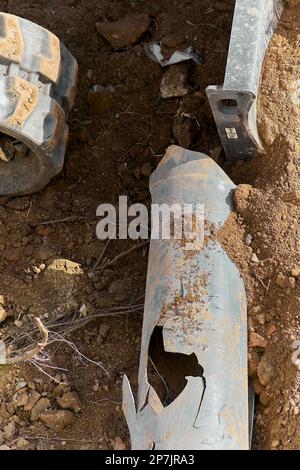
column 234, row 105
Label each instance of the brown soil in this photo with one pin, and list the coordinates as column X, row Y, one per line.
column 49, row 249
column 269, row 211
column 53, row 266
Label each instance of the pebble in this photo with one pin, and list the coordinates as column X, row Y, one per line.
column 126, row 31
column 21, row 384
column 21, row 399
column 174, row 83
column 4, row 447
column 71, row 401
column 275, row 444
column 285, row 282
column 10, row 430
column 118, row 444
column 248, row 240
column 265, row 371
column 83, row 310
column 257, row 341
column 241, row 198
column 39, row 407
column 270, row 330
column 296, row 272
column 57, row 419
column 22, row 444
column 254, row 258
column 32, row 400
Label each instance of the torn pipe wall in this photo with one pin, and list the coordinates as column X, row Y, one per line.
column 195, row 325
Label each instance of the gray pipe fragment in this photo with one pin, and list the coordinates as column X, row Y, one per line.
column 197, row 299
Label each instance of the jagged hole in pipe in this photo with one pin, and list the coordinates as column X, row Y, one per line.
column 167, row 371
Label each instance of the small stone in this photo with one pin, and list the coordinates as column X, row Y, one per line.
column 126, row 31
column 83, row 310
column 270, row 330
column 296, row 272
column 265, row 371
column 174, row 82
column 96, row 387
column 118, row 444
column 257, row 341
column 248, row 240
column 285, row 282
column 21, row 399
column 39, row 407
column 254, row 258
column 242, row 196
column 10, row 430
column 4, row 447
column 18, row 323
column 57, row 419
column 20, row 385
column 32, row 400
column 146, row 169
column 275, row 444
column 261, row 318
column 70, row 401
column 3, row 314
column 22, row 444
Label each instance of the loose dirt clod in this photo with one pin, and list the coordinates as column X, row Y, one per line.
column 126, row 31
column 57, row 419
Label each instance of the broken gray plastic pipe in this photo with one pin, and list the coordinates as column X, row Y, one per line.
column 198, row 298
column 234, row 104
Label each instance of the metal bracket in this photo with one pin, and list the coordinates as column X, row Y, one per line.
column 234, row 104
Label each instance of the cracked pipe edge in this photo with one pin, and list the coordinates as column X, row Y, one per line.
column 212, row 410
